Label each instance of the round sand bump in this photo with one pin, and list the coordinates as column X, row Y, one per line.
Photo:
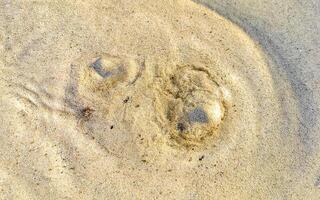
column 195, row 104
column 106, row 71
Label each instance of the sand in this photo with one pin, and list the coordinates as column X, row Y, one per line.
column 159, row 99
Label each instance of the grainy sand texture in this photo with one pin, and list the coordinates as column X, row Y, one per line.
column 159, row 99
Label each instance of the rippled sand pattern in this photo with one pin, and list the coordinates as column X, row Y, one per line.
column 151, row 100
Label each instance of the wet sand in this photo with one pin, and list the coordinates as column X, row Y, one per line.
column 159, row 100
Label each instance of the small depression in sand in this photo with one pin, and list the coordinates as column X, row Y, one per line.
column 193, row 104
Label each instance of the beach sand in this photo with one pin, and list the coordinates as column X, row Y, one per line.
column 165, row 99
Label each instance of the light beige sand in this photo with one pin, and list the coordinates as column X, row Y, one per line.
column 157, row 100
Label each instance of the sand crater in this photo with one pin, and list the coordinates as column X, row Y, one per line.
column 193, row 104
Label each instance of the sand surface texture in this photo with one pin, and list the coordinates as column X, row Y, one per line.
column 159, row 99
